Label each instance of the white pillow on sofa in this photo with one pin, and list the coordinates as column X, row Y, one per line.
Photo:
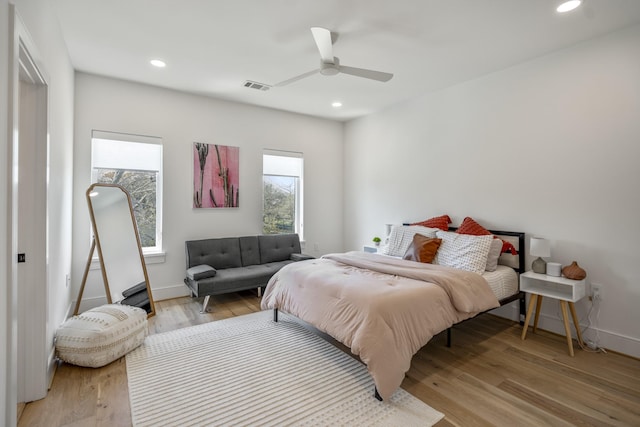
column 401, row 238
column 463, row 251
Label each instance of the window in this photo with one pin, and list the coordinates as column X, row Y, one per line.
column 282, row 192
column 135, row 163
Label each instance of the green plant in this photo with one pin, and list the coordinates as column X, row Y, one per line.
column 376, row 239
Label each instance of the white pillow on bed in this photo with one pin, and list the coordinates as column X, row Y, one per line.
column 401, row 238
column 494, row 255
column 463, row 251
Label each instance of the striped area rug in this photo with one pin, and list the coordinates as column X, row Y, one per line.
column 251, row 371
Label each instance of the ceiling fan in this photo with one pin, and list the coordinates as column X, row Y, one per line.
column 330, row 65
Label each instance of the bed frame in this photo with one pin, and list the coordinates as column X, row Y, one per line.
column 519, row 296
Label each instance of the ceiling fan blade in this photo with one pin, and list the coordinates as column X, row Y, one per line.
column 322, row 36
column 367, row 74
column 296, row 78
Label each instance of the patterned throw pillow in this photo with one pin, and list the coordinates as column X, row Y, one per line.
column 402, row 236
column 423, row 249
column 463, row 251
column 442, row 222
column 469, row 226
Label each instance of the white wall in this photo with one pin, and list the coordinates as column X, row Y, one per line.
column 548, row 147
column 42, row 24
column 181, row 119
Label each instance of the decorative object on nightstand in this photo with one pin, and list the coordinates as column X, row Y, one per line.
column 376, row 241
column 554, row 269
column 566, row 291
column 539, row 247
column 370, row 249
column 574, row 271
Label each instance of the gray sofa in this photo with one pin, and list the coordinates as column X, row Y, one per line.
column 231, row 264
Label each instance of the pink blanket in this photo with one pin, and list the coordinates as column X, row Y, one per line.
column 384, row 309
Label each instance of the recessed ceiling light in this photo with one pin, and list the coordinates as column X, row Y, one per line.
column 336, row 104
column 158, row 63
column 568, row 6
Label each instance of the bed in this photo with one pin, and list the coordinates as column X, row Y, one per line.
column 385, row 308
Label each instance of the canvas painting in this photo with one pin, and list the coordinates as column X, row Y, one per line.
column 215, row 175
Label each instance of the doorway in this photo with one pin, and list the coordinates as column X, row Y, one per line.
column 30, row 160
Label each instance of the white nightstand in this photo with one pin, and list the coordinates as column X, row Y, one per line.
column 565, row 290
column 370, row 249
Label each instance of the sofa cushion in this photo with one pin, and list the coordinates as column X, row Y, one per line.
column 202, row 271
column 249, row 250
column 218, row 253
column 101, row 335
column 278, row 247
column 234, row 279
column 300, row 257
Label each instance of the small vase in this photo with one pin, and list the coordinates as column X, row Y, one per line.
column 574, row 271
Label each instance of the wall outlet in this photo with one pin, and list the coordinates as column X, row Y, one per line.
column 596, row 292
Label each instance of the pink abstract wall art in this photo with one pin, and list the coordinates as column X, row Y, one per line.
column 215, row 175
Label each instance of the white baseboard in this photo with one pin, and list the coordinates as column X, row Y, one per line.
column 159, row 294
column 52, row 361
column 169, row 292
column 606, row 339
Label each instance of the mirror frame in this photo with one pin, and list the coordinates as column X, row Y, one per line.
column 96, row 244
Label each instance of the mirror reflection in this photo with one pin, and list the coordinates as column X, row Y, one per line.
column 118, row 244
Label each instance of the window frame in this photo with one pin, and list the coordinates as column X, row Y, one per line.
column 150, row 252
column 299, row 190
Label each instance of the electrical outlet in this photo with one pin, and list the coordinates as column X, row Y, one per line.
column 596, row 292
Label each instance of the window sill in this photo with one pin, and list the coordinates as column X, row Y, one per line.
column 149, row 258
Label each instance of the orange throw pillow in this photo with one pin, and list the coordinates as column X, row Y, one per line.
column 442, row 222
column 469, row 226
column 423, row 249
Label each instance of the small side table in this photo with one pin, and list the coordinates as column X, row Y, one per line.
column 565, row 290
column 370, row 249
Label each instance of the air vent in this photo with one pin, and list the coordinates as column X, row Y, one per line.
column 255, row 85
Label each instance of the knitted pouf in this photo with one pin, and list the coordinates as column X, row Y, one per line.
column 101, row 335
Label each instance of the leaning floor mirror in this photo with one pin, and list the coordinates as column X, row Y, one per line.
column 117, row 241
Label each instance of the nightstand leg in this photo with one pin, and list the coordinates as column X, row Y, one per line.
column 538, row 307
column 572, row 307
column 532, row 301
column 567, row 329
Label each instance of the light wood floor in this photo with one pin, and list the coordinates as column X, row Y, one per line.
column 488, row 377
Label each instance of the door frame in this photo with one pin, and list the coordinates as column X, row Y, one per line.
column 26, row 64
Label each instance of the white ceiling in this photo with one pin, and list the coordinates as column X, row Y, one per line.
column 212, row 46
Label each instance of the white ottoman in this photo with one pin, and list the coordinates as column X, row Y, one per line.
column 101, row 335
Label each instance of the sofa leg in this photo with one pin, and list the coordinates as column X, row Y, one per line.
column 205, row 304
column 259, row 291
column 275, row 314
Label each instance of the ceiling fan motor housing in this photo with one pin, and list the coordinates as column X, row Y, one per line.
column 330, row 69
